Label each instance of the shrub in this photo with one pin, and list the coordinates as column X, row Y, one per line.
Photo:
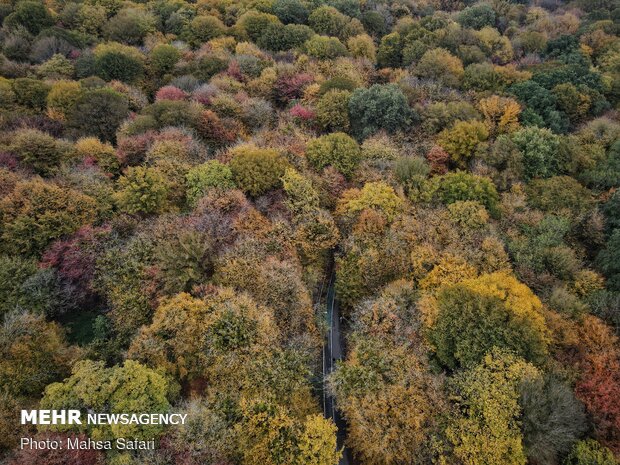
column 362, row 46
column 441, row 65
column 438, row 159
column 374, row 195
column 62, row 97
column 411, row 172
column 30, row 92
column 102, row 153
column 559, row 195
column 36, row 213
column 33, row 353
column 114, row 61
column 462, row 139
column 255, row 170
column 130, row 26
column 590, row 452
column 14, row 271
column 462, row 186
column 37, row 149
column 170, row 93
column 99, row 113
column 337, row 150
column 477, row 16
column 290, row 11
column 163, row 58
column 141, row 190
column 325, row 48
column 32, row 15
column 209, row 175
column 379, row 107
column 204, row 28
column 332, row 111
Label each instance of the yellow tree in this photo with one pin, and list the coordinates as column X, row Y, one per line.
column 501, row 114
column 486, row 430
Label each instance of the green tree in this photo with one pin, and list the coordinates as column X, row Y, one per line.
column 332, row 111
column 390, row 52
column 302, row 196
column 32, row 15
column 191, row 338
column 477, row 16
column 163, row 58
column 553, row 419
column 462, row 186
column 37, row 150
column 493, row 310
column 590, row 452
column 130, row 26
column 204, row 28
column 62, row 97
column 98, row 113
column 542, row 157
column 561, row 195
column 325, row 48
column 209, row 175
column 117, row 61
column 37, row 212
column 257, row 170
column 608, row 260
column 441, row 65
column 461, row 140
column 337, row 150
column 33, row 353
column 141, row 190
column 290, row 11
column 130, row 388
column 327, row 20
column 379, row 107
column 14, row 270
column 30, row 93
column 279, row 38
column 253, row 23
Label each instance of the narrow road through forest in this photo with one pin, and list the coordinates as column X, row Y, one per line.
column 332, row 352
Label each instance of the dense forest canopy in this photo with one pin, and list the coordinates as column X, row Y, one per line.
column 179, row 178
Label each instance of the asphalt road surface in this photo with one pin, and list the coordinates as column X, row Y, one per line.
column 333, row 351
